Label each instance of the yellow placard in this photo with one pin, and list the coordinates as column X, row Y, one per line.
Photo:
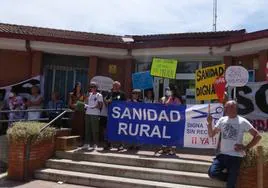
column 204, row 82
column 165, row 68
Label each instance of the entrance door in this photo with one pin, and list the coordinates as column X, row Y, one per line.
column 61, row 73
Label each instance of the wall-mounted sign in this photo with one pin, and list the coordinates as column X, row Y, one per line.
column 112, row 69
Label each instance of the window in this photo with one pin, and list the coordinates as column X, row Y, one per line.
column 61, row 73
column 187, row 67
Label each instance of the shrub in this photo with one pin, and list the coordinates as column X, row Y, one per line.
column 22, row 131
column 251, row 157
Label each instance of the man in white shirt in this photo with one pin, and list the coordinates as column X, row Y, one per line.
column 232, row 150
column 93, row 109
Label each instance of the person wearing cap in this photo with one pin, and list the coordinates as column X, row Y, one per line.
column 135, row 95
column 93, row 105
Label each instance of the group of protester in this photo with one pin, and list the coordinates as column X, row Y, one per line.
column 16, row 103
column 93, row 109
column 89, row 120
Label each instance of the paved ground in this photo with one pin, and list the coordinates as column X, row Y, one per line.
column 37, row 184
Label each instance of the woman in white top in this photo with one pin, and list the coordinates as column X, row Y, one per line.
column 35, row 102
column 93, row 109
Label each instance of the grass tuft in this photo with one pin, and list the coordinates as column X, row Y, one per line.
column 22, row 131
column 250, row 160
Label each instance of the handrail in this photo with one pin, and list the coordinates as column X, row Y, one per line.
column 56, row 118
column 33, row 110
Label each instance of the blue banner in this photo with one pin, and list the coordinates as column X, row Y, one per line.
column 143, row 123
column 142, row 80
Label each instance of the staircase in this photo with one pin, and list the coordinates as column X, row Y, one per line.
column 113, row 170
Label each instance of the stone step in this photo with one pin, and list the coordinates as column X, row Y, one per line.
column 136, row 160
column 103, row 181
column 67, row 142
column 152, row 174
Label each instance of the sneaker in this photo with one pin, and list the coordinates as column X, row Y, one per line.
column 95, row 146
column 86, row 146
column 172, row 151
column 120, row 148
column 162, row 150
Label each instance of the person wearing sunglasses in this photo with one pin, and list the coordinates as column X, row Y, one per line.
column 93, row 106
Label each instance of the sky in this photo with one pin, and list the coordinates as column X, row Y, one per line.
column 136, row 17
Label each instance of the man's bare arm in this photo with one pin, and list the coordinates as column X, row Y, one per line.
column 211, row 131
column 255, row 140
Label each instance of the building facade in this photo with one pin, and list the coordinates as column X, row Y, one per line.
column 64, row 57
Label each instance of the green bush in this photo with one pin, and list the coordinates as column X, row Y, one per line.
column 251, row 157
column 22, row 131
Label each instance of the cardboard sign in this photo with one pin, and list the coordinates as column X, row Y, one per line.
column 142, row 80
column 165, row 68
column 204, row 82
column 236, row 76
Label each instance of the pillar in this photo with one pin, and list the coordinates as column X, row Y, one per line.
column 128, row 75
column 260, row 73
column 36, row 63
column 92, row 71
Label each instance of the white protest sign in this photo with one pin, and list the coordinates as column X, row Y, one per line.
column 104, row 83
column 236, row 76
column 196, row 132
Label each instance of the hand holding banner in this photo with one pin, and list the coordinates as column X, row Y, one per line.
column 177, row 125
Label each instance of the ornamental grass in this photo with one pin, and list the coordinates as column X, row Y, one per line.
column 250, row 160
column 22, row 131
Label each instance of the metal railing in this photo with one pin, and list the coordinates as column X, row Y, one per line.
column 55, row 119
column 32, row 110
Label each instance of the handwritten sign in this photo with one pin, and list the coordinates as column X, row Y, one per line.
column 165, row 68
column 104, row 83
column 236, row 76
column 204, row 82
column 196, row 132
column 142, row 80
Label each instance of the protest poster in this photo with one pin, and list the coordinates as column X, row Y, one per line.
column 104, row 83
column 196, row 133
column 179, row 125
column 142, row 80
column 236, row 76
column 165, row 68
column 252, row 102
column 204, row 82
